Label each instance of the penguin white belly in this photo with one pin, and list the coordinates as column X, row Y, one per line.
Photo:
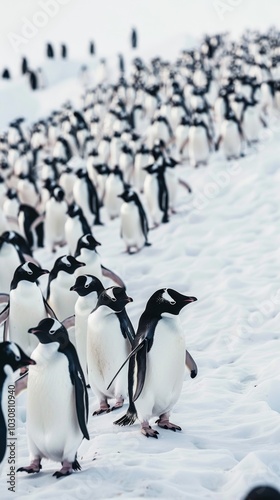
column 81, row 195
column 181, row 136
column 61, row 299
column 106, row 351
column 131, row 225
column 151, row 192
column 52, row 423
column 112, row 203
column 141, row 161
column 55, row 221
column 66, row 181
column 9, row 261
column 164, row 372
column 92, row 262
column 73, row 231
column 198, row 145
column 231, row 139
column 84, row 306
column 104, row 151
column 251, row 125
column 125, row 163
column 26, row 311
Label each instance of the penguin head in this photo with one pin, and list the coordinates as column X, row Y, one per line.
column 27, row 272
column 66, row 263
column 58, row 194
column 115, row 298
column 11, row 194
column 169, row 301
column 102, row 169
column 86, row 284
column 11, row 354
column 86, row 241
column 81, row 172
column 74, row 210
column 51, row 330
column 128, row 195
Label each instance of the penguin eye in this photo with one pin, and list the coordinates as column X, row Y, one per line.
column 86, row 285
column 17, row 358
column 114, row 299
column 172, row 302
column 29, row 272
column 52, row 332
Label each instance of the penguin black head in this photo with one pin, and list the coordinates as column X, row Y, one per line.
column 51, row 330
column 74, row 210
column 86, row 284
column 169, row 301
column 115, row 298
column 58, row 194
column 27, row 272
column 86, row 241
column 11, row 354
column 81, row 172
column 102, row 169
column 11, row 194
column 129, row 195
column 18, row 241
column 66, row 263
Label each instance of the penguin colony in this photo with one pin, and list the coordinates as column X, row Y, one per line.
column 58, row 177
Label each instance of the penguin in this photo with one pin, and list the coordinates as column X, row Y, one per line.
column 27, row 190
column 12, row 358
column 21, row 245
column 113, row 188
column 33, row 79
column 134, row 222
column 55, row 218
column 61, row 278
column 9, row 261
column 24, row 65
column 141, row 160
column 11, row 208
column 199, row 142
column 126, row 161
column 92, row 48
column 109, row 336
column 31, row 226
column 182, row 137
column 89, row 289
column 76, row 226
column 102, row 174
column 66, row 181
column 6, row 75
column 50, row 51
column 86, row 252
column 26, row 305
column 86, row 197
column 157, row 362
column 56, row 387
column 231, row 136
column 63, row 51
column 156, row 193
column 134, row 38
column 251, row 121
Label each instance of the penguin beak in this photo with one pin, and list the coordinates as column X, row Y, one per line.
column 73, row 288
column 25, row 361
column 188, row 300
column 129, row 299
column 41, row 272
column 34, row 331
column 80, row 264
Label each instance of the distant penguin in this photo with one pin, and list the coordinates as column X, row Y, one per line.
column 12, row 358
column 126, row 161
column 134, row 38
column 24, row 65
column 156, row 193
column 63, row 51
column 92, row 48
column 9, row 261
column 26, row 304
column 134, row 223
column 76, row 226
column 28, row 192
column 231, row 136
column 251, row 122
column 50, row 51
column 33, row 79
column 11, row 208
column 102, row 174
column 86, row 253
column 141, row 160
column 199, row 142
column 157, row 362
column 6, row 74
column 55, row 218
column 31, row 226
column 66, row 181
column 56, row 388
column 61, row 278
column 109, row 336
column 85, row 195
column 89, row 288
column 113, row 188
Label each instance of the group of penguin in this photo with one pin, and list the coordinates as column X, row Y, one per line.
column 118, row 155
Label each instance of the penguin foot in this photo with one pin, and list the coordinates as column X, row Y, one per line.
column 165, row 424
column 104, row 408
column 35, row 466
column 147, row 430
column 66, row 470
column 118, row 404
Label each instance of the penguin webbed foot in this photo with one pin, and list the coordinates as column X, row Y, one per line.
column 147, row 431
column 104, row 408
column 165, row 424
column 33, row 468
column 118, row 404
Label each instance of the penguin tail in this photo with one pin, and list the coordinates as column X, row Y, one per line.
column 128, row 419
column 76, row 465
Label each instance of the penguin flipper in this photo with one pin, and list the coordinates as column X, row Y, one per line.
column 191, row 364
column 6, row 330
column 141, row 358
column 185, row 184
column 49, row 310
column 69, row 322
column 113, row 276
column 5, row 314
column 126, row 326
column 132, row 353
column 21, row 383
column 4, row 298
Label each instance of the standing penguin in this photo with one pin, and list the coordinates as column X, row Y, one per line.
column 31, row 226
column 113, row 188
column 12, row 358
column 85, row 195
column 141, row 160
column 26, row 304
column 134, row 38
column 156, row 193
column 134, row 222
column 157, row 362
column 56, row 387
column 231, row 136
column 63, row 51
column 76, row 226
column 199, row 142
column 61, row 278
column 89, row 289
column 109, row 335
column 55, row 218
column 50, row 51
